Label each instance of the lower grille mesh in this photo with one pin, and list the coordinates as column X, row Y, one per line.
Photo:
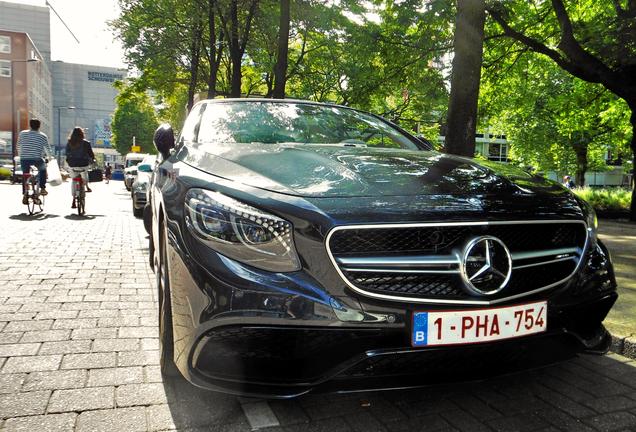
column 415, row 285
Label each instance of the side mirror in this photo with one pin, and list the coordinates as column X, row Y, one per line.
column 144, row 168
column 164, row 140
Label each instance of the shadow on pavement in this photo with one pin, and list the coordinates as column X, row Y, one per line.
column 192, row 407
column 82, row 218
column 33, row 217
column 577, row 395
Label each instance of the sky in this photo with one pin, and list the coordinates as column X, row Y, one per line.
column 87, row 19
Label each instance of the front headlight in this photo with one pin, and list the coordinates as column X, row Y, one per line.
column 240, row 231
column 592, row 223
column 140, row 187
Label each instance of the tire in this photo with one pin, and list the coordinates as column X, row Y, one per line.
column 166, row 339
column 81, row 204
column 31, row 205
column 147, row 215
column 136, row 212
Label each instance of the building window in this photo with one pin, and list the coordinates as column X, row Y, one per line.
column 5, row 44
column 5, row 68
column 498, row 152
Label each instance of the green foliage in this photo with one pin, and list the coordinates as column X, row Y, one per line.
column 616, row 199
column 383, row 56
column 133, row 117
column 547, row 113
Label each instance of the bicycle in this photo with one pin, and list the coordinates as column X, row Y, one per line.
column 78, row 189
column 31, row 190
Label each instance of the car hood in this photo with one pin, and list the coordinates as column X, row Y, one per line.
column 334, row 171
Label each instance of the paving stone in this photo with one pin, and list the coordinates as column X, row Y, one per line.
column 119, row 321
column 160, row 418
column 55, row 380
column 115, row 345
column 140, row 394
column 115, row 376
column 519, row 422
column 32, row 363
column 40, row 307
column 9, row 350
column 64, row 299
column 11, row 383
column 19, row 316
column 80, row 305
column 25, row 326
column 99, row 313
column 89, row 361
column 46, row 335
column 152, row 374
column 94, row 333
column 150, row 344
column 66, row 347
column 91, row 398
column 138, row 358
column 23, row 404
column 57, row 314
column 138, row 332
column 613, row 421
column 75, row 323
column 120, row 419
column 48, row 423
column 10, row 338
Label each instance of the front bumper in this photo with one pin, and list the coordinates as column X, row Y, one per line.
column 139, row 198
column 248, row 332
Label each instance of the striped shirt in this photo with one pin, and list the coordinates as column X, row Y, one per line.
column 33, row 144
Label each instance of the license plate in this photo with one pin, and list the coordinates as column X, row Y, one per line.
column 478, row 325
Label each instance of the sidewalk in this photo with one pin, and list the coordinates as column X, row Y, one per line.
column 620, row 238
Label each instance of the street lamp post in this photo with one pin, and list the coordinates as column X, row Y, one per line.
column 58, row 148
column 15, row 130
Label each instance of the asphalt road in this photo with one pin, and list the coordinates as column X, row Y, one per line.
column 78, row 350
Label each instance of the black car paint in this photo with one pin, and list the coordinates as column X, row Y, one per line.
column 210, row 291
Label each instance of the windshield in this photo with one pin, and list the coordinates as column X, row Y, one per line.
column 296, row 123
column 132, row 162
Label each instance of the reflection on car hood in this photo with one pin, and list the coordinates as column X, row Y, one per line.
column 337, row 171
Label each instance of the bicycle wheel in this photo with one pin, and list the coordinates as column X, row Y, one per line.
column 31, row 205
column 81, row 203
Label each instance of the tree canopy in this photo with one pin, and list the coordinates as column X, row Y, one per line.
column 133, row 117
column 558, row 77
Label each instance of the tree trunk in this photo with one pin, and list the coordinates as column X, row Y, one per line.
column 195, row 54
column 462, row 109
column 581, row 165
column 212, row 50
column 632, row 213
column 235, row 51
column 280, row 70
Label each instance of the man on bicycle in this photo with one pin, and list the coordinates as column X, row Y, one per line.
column 33, row 147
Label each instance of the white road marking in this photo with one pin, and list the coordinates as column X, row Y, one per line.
column 259, row 414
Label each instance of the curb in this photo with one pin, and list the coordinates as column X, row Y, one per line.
column 625, row 346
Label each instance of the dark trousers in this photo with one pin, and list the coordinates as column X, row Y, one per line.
column 40, row 165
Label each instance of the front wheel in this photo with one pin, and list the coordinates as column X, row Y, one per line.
column 166, row 339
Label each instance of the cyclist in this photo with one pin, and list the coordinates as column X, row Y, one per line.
column 33, row 147
column 79, row 155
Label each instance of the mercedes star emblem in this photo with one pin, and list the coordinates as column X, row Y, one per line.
column 486, row 265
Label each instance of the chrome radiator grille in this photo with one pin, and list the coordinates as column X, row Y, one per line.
column 422, row 262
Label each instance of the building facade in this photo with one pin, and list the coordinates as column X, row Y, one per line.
column 33, row 20
column 25, row 89
column 84, row 96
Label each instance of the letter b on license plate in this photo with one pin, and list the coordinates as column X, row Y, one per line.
column 478, row 325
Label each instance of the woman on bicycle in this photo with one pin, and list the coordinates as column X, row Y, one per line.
column 79, row 154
